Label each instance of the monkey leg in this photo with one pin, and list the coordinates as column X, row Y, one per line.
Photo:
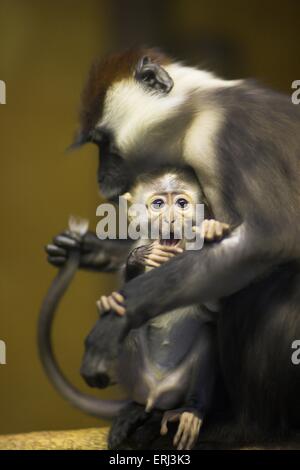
column 132, row 416
column 256, row 331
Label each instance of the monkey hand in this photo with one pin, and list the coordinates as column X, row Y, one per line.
column 158, row 254
column 93, row 252
column 188, row 430
column 212, row 230
column 115, row 302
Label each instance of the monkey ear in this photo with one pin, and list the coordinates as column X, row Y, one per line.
column 153, row 76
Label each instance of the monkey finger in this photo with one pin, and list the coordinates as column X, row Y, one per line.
column 164, row 428
column 211, row 230
column 158, row 258
column 225, row 228
column 185, row 434
column 165, row 254
column 64, row 241
column 218, row 229
column 204, row 228
column 56, row 260
column 74, row 235
column 104, row 303
column 151, row 246
column 118, row 297
column 180, row 431
column 116, row 307
column 54, row 250
column 151, row 264
column 193, row 434
column 183, row 441
column 171, row 249
column 168, row 417
column 192, row 438
column 99, row 307
column 164, row 424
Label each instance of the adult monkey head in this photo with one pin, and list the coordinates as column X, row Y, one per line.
column 137, row 107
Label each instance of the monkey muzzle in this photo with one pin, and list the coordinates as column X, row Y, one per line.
column 170, row 239
column 100, row 376
column 101, row 356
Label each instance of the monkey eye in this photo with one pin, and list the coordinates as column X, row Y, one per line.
column 182, row 203
column 157, row 204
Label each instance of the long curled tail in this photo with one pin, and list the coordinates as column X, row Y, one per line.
column 104, row 409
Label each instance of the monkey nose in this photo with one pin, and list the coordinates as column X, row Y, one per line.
column 98, row 378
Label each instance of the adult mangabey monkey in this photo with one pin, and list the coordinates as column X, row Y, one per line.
column 170, row 361
column 243, row 143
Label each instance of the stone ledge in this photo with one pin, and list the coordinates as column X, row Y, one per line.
column 80, row 439
column 96, row 439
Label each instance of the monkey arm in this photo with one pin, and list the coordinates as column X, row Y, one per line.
column 215, row 271
column 95, row 254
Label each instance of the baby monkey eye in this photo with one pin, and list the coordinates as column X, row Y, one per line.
column 182, row 203
column 157, row 204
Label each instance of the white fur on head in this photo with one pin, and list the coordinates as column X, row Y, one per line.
column 172, row 181
column 131, row 112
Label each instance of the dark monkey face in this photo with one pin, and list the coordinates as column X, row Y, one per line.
column 97, row 372
column 98, row 368
column 114, row 174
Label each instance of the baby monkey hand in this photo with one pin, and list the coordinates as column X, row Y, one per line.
column 156, row 254
column 212, row 230
column 152, row 255
column 189, row 427
column 115, row 301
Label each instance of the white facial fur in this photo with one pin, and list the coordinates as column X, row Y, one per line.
column 199, row 151
column 131, row 112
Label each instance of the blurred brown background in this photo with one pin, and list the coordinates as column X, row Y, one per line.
column 45, row 51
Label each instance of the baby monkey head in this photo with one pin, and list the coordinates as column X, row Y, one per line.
column 169, row 200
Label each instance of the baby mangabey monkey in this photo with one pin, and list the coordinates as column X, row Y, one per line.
column 169, row 362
